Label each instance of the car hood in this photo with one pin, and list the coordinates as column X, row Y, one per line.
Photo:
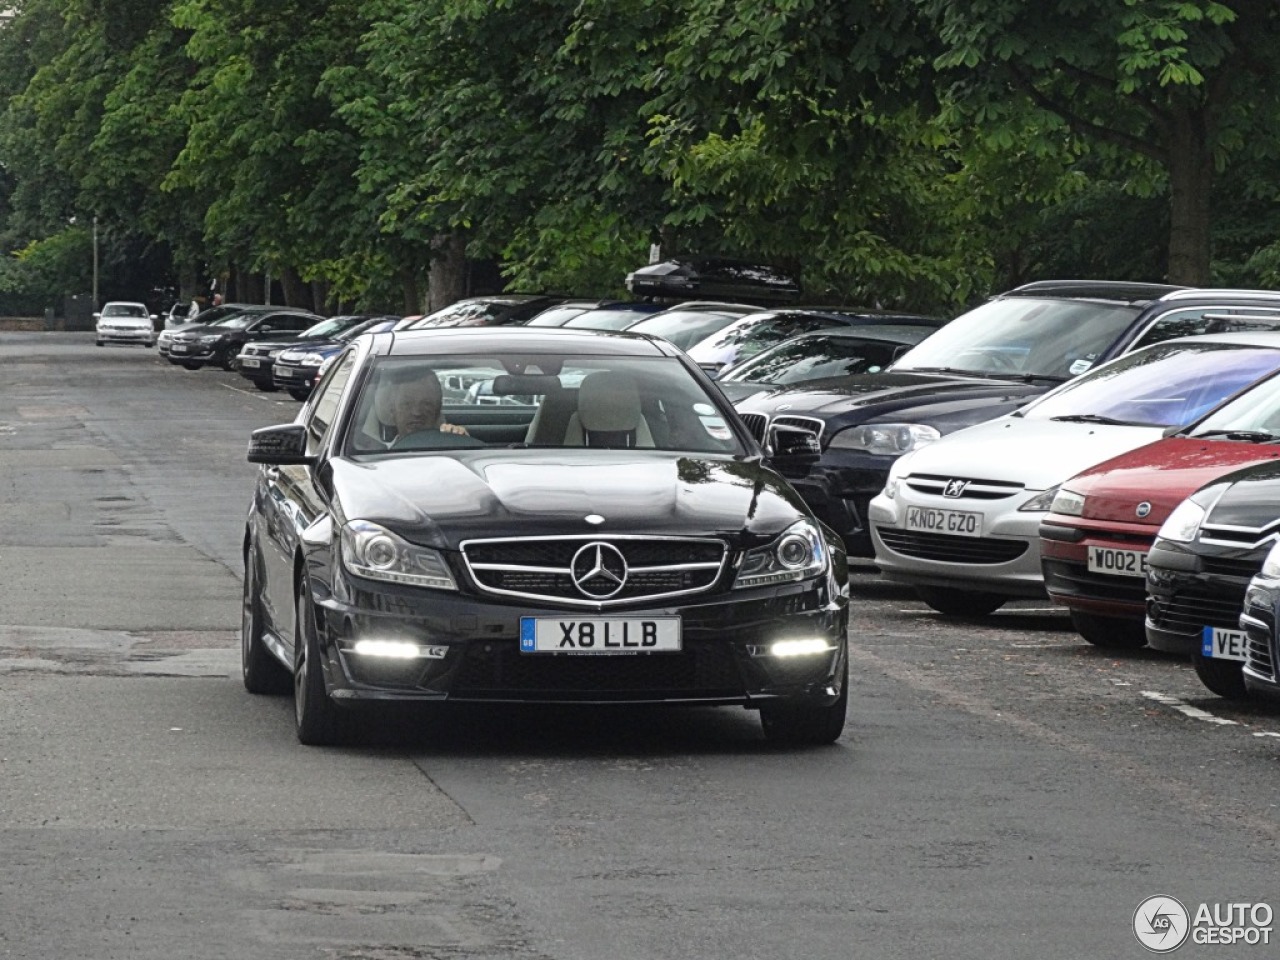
column 1038, row 454
column 276, row 343
column 194, row 331
column 943, row 401
column 442, row 499
column 299, row 347
column 1246, row 498
column 1162, row 474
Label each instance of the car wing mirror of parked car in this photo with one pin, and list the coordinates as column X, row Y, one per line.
column 794, row 450
column 283, row 445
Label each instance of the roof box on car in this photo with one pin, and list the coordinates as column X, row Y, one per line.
column 714, row 278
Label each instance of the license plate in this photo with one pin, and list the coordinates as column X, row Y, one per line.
column 177, row 348
column 1223, row 644
column 249, row 363
column 283, row 371
column 957, row 523
column 600, row 635
column 1118, row 563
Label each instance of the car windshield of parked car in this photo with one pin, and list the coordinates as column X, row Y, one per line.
column 816, row 356
column 1252, row 416
column 1022, row 337
column 1167, row 384
column 558, row 316
column 124, row 310
column 684, row 328
column 608, row 318
column 237, row 321
column 441, row 403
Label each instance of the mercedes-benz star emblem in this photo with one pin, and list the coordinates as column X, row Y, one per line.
column 599, row 570
column 1144, row 508
column 955, row 488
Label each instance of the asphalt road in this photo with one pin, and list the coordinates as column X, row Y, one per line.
column 1001, row 791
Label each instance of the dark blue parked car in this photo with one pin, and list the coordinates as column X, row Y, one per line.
column 297, row 368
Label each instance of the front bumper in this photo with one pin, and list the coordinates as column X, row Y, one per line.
column 721, row 661
column 180, row 351
column 257, row 369
column 839, row 489
column 293, row 377
column 145, row 337
column 1064, row 561
column 1005, row 559
column 1190, row 588
column 1262, row 654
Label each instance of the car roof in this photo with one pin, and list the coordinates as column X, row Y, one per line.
column 488, row 340
column 1247, row 338
column 842, row 315
column 1120, row 291
column 124, row 303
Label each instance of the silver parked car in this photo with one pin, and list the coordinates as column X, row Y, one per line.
column 123, row 322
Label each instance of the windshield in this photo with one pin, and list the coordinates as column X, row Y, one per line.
column 236, row 321
column 557, row 316
column 327, row 329
column 1023, row 336
column 124, row 310
column 823, row 355
column 434, row 402
column 1256, row 412
column 1158, row 386
column 684, row 328
column 615, row 318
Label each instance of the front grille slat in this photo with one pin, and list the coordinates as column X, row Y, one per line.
column 756, row 423
column 936, row 546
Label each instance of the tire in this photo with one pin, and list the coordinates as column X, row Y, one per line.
column 1109, row 633
column 149, row 346
column 192, row 365
column 264, row 386
column 961, row 603
column 98, row 343
column 302, row 395
column 262, row 672
column 1223, row 677
column 316, row 715
column 230, row 362
column 797, row 725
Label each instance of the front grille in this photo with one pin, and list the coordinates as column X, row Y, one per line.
column 1075, row 580
column 936, row 546
column 969, row 488
column 541, row 568
column 1245, row 569
column 755, row 424
column 812, row 424
column 1257, row 650
column 494, row 669
column 1205, row 605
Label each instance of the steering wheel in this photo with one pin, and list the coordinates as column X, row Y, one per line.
column 998, row 361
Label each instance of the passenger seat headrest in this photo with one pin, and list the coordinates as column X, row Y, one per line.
column 608, row 403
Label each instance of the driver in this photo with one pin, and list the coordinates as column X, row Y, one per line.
column 415, row 410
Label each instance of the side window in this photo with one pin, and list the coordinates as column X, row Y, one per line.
column 298, row 322
column 325, row 406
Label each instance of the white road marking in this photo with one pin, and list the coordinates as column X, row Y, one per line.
column 255, row 394
column 1267, row 733
column 1195, row 713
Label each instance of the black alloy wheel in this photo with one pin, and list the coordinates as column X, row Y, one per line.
column 796, row 725
column 1109, row 633
column 955, row 602
column 299, row 394
column 262, row 672
column 230, row 360
column 192, row 364
column 316, row 715
column 266, row 386
column 1223, row 677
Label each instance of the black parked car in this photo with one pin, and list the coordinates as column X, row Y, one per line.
column 220, row 342
column 620, row 540
column 257, row 359
column 1199, row 569
column 297, row 367
column 984, row 364
column 1261, row 614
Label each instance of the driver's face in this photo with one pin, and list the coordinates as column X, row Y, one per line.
column 416, row 407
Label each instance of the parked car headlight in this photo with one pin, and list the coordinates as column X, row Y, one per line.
column 369, row 550
column 211, row 338
column 1068, row 503
column 1184, row 523
column 328, row 362
column 1041, row 503
column 798, row 553
column 889, row 439
column 1271, row 565
column 308, row 359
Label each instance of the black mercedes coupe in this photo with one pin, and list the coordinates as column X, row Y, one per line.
column 601, row 529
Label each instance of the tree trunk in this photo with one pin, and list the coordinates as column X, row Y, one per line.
column 188, row 281
column 447, row 282
column 248, row 287
column 1190, row 182
column 409, row 287
column 320, row 295
column 296, row 292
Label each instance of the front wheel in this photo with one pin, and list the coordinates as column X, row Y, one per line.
column 805, row 724
column 1109, row 633
column 1223, row 677
column 315, row 713
column 262, row 672
column 230, row 362
column 192, row 365
column 961, row 603
column 299, row 394
column 98, row 343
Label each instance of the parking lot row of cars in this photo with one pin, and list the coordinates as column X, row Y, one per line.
column 1110, row 444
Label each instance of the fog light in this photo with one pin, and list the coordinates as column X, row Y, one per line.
column 398, row 650
column 800, row 648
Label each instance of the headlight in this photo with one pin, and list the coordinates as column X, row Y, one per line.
column 1041, row 502
column 1271, row 565
column 369, row 550
column 211, row 338
column 797, row 554
column 309, row 359
column 886, row 439
column 1068, row 503
column 1184, row 523
column 325, row 366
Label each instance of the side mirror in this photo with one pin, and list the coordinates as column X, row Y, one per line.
column 155, row 317
column 794, row 450
column 96, row 315
column 284, row 445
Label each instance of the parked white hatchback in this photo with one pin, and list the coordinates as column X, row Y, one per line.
column 959, row 519
column 124, row 322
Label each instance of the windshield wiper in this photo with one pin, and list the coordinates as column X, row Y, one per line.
column 1248, row 436
column 1097, row 418
column 1026, row 377
column 953, row 370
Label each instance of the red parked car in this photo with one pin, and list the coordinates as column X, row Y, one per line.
column 1094, row 540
